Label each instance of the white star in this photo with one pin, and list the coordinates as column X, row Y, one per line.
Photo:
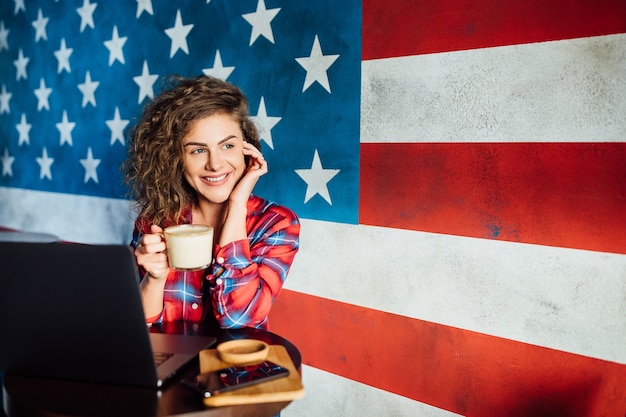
column 42, row 94
column 115, row 46
column 19, row 5
column 20, row 65
column 88, row 89
column 144, row 5
column 4, row 37
column 265, row 123
column 86, row 14
column 44, row 165
column 218, row 70
column 117, row 126
column 7, row 161
column 90, row 166
column 23, row 128
column 65, row 128
column 40, row 27
column 178, row 34
column 145, row 81
column 261, row 22
column 4, row 100
column 317, row 179
column 316, row 66
column 63, row 56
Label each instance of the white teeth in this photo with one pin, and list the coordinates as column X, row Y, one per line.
column 215, row 179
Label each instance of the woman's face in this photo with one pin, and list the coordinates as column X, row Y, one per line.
column 213, row 158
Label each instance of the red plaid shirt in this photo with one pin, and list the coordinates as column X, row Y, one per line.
column 246, row 276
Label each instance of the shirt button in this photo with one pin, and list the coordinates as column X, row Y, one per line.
column 219, row 281
column 220, row 260
column 194, row 306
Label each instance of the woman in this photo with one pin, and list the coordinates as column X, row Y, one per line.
column 195, row 158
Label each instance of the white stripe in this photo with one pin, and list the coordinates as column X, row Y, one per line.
column 327, row 394
column 70, row 217
column 566, row 299
column 562, row 91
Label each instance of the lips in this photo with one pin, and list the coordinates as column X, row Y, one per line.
column 215, row 180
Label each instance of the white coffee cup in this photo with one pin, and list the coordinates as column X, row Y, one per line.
column 189, row 246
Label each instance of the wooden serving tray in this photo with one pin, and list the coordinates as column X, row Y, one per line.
column 278, row 390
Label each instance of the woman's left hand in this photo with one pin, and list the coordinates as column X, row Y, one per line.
column 257, row 167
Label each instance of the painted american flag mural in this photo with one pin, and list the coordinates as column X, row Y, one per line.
column 459, row 168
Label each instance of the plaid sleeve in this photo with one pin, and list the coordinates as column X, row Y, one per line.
column 247, row 275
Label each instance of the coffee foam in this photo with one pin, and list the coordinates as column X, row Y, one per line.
column 189, row 246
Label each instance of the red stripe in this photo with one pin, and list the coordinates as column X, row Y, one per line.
column 408, row 27
column 458, row 370
column 557, row 194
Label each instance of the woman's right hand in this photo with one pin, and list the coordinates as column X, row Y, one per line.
column 151, row 255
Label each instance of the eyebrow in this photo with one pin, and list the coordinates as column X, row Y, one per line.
column 226, row 139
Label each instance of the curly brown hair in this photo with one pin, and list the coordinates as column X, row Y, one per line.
column 154, row 168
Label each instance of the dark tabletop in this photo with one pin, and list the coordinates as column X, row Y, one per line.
column 29, row 396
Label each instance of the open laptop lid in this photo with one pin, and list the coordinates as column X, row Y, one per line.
column 73, row 311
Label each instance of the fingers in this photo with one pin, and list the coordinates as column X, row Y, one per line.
column 152, row 242
column 257, row 162
column 257, row 167
column 150, row 253
column 251, row 150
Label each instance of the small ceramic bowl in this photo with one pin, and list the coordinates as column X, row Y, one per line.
column 243, row 351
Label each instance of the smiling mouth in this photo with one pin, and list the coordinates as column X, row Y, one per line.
column 215, row 179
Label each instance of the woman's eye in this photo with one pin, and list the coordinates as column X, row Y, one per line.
column 198, row 150
column 228, row 146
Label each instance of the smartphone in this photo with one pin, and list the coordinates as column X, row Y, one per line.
column 223, row 380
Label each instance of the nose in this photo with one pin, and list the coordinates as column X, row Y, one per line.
column 214, row 161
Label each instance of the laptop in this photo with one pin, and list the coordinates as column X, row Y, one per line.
column 73, row 311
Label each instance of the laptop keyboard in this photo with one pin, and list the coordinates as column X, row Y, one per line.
column 160, row 357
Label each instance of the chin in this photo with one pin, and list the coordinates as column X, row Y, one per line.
column 213, row 198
